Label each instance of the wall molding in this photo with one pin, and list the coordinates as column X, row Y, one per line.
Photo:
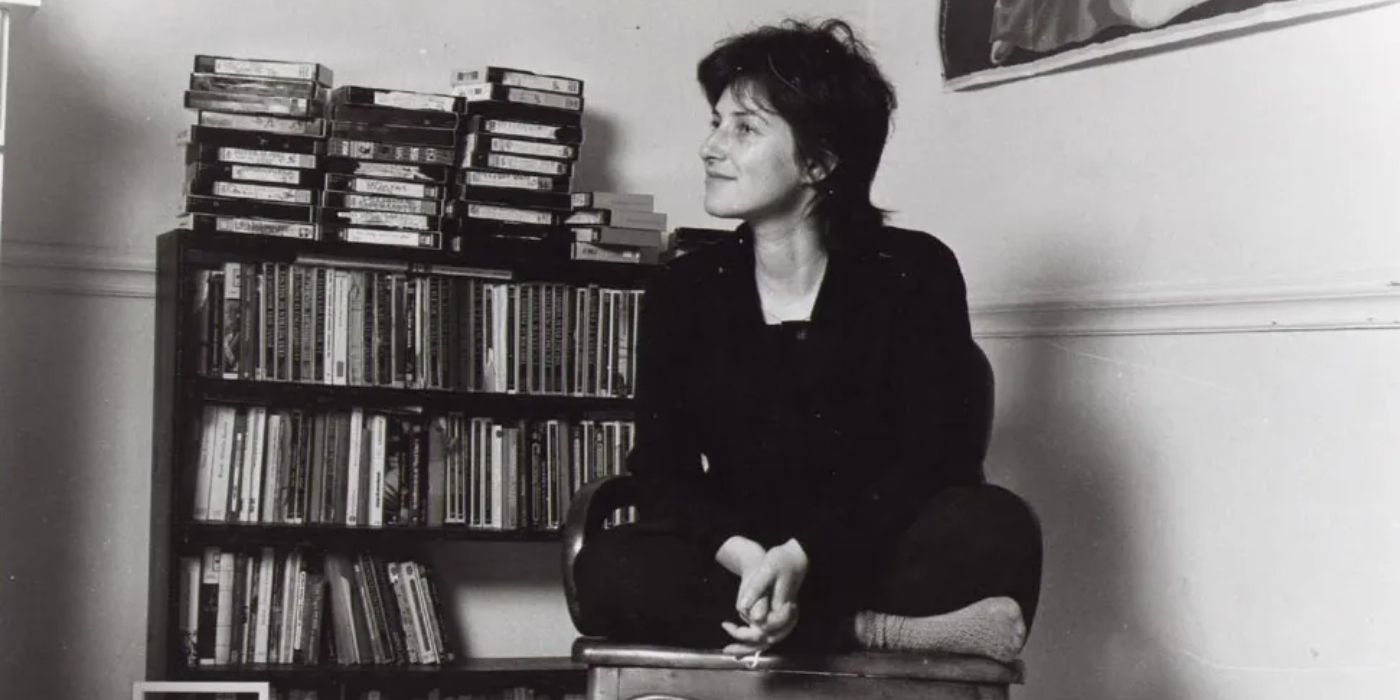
column 75, row 269
column 64, row 268
column 1198, row 309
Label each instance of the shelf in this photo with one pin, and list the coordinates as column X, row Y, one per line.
column 532, row 671
column 267, row 392
column 519, row 262
column 234, row 534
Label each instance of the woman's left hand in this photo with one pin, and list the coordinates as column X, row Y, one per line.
column 778, row 577
column 753, row 637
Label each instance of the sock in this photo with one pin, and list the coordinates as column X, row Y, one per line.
column 990, row 627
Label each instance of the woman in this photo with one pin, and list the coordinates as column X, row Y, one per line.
column 808, row 460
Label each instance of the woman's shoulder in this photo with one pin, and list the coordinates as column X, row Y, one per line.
column 698, row 274
column 708, row 263
column 911, row 254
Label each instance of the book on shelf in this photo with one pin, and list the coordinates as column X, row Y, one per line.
column 360, row 326
column 293, row 606
column 366, row 468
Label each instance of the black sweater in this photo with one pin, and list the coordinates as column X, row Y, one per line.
column 834, row 432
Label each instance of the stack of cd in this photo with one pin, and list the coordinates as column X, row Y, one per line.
column 389, row 161
column 254, row 153
column 521, row 136
column 618, row 227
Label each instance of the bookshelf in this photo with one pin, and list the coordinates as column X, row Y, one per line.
column 182, row 392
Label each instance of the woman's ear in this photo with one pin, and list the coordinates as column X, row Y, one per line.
column 820, row 168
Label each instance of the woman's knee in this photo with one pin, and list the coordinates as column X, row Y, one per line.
column 985, row 512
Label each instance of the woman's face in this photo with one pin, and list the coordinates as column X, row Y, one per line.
column 750, row 156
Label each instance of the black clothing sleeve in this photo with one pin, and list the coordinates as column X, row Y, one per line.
column 666, row 457
column 937, row 444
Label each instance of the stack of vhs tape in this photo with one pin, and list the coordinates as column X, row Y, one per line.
column 521, row 137
column 388, row 166
column 620, row 227
column 254, row 153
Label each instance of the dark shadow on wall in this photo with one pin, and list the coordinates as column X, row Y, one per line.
column 52, row 510
column 1060, row 446
column 596, row 171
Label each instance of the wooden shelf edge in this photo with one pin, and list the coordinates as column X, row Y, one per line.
column 543, row 669
column 242, row 389
column 211, row 533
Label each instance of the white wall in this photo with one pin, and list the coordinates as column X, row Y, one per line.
column 1215, row 503
column 1219, row 507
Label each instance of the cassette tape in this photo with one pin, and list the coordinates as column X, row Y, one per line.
column 428, row 240
column 383, row 188
column 525, row 164
column 401, row 99
column 262, row 68
column 256, row 140
column 612, row 235
column 262, row 122
column 413, row 135
column 519, row 147
column 430, row 174
column 250, row 209
column 476, row 177
column 390, row 116
column 625, row 218
column 490, row 211
column 252, row 104
column 515, row 77
column 210, row 223
column 556, row 201
column 614, row 200
column 380, row 219
column 287, row 177
column 201, row 153
column 596, row 252
column 520, row 112
column 495, row 92
column 388, row 152
column 480, row 124
column 251, row 190
column 265, row 87
column 375, row 202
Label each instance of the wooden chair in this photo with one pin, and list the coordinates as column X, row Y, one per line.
column 647, row 672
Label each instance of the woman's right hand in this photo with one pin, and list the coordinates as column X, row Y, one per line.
column 744, row 558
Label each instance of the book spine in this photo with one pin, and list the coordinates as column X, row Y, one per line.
column 188, row 623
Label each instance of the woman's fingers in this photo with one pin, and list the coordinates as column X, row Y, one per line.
column 739, row 649
column 747, row 633
column 753, row 587
column 758, row 614
column 779, row 617
column 782, row 590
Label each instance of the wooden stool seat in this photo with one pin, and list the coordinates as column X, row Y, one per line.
column 646, row 672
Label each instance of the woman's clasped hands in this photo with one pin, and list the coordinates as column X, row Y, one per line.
column 769, row 582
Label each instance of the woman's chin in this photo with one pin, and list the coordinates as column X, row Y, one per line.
column 719, row 211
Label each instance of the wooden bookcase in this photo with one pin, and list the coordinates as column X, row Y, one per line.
column 180, row 392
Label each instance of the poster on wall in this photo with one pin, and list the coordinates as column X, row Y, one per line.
column 992, row 41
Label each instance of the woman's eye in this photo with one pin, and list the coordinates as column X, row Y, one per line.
column 746, row 129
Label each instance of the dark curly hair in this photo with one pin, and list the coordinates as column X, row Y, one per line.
column 822, row 80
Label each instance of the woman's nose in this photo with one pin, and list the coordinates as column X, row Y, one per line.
column 711, row 147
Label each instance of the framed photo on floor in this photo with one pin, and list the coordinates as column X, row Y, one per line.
column 167, row 690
